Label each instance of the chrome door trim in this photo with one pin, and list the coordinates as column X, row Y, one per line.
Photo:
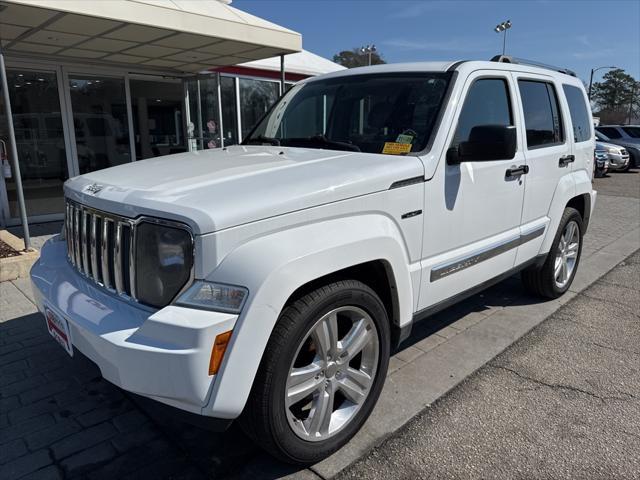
column 448, row 268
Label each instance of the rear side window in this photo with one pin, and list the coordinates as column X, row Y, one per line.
column 610, row 132
column 632, row 131
column 580, row 117
column 541, row 114
column 487, row 103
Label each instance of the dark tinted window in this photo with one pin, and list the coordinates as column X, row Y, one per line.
column 541, row 113
column 580, row 117
column 487, row 103
column 610, row 132
column 632, row 131
column 379, row 113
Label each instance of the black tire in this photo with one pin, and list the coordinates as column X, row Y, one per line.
column 540, row 280
column 264, row 418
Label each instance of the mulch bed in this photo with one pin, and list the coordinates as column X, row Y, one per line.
column 6, row 251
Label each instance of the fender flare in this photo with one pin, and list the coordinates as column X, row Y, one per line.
column 274, row 266
column 569, row 186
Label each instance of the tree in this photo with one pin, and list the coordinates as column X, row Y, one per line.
column 617, row 97
column 355, row 58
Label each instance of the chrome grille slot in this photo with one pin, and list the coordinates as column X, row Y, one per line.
column 101, row 247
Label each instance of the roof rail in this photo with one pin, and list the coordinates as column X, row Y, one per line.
column 533, row 63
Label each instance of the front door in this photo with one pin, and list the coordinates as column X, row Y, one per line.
column 41, row 145
column 472, row 210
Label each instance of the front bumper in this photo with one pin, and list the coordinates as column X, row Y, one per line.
column 617, row 162
column 162, row 354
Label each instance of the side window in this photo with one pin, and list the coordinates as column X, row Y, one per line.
column 610, row 132
column 541, row 113
column 487, row 103
column 580, row 117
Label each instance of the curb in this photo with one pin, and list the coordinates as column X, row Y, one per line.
column 12, row 268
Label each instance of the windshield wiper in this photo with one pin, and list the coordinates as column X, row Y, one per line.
column 260, row 139
column 321, row 141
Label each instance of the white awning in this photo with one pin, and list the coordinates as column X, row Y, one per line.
column 304, row 63
column 174, row 35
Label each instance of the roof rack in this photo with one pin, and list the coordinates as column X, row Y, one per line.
column 533, row 63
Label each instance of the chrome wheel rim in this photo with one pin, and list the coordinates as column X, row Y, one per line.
column 332, row 373
column 567, row 255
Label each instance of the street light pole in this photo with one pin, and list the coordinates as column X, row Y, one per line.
column 503, row 27
column 369, row 49
column 593, row 70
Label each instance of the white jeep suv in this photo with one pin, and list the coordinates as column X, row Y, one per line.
column 270, row 281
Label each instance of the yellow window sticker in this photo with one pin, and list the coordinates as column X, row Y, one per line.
column 394, row 148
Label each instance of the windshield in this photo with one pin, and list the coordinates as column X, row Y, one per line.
column 632, row 131
column 381, row 113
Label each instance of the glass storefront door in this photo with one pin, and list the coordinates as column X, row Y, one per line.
column 158, row 117
column 40, row 141
column 100, row 121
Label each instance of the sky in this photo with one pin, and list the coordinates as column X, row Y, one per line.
column 576, row 34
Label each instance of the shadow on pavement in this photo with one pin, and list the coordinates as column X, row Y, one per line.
column 52, row 402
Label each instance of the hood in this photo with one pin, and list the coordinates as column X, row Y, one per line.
column 605, row 145
column 215, row 189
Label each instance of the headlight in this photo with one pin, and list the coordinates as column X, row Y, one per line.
column 164, row 257
column 613, row 150
column 214, row 296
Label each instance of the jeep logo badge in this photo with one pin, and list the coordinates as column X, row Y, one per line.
column 93, row 188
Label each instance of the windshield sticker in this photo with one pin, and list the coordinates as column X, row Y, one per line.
column 395, row 148
column 403, row 138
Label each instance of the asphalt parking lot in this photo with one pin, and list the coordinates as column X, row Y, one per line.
column 59, row 419
column 563, row 402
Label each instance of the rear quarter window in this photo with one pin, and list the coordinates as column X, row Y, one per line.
column 580, row 118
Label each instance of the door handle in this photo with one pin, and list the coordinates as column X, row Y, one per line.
column 566, row 160
column 516, row 171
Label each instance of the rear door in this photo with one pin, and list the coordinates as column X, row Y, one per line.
column 581, row 126
column 472, row 209
column 548, row 155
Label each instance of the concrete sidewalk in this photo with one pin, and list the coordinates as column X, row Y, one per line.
column 59, row 418
column 563, row 402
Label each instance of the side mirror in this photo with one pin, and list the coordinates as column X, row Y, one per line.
column 486, row 142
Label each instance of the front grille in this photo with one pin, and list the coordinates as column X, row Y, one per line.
column 623, row 152
column 101, row 246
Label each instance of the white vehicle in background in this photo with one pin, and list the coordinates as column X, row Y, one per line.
column 617, row 156
column 270, row 281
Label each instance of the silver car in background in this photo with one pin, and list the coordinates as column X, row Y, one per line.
column 627, row 136
column 617, row 155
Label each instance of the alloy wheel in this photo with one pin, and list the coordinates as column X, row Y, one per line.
column 332, row 373
column 567, row 255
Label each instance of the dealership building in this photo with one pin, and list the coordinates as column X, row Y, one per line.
column 97, row 84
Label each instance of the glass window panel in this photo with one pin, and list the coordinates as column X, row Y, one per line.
column 361, row 113
column 256, row 98
column 580, row 117
column 42, row 155
column 204, row 122
column 229, row 110
column 99, row 121
column 541, row 113
column 610, row 132
column 157, row 117
column 487, row 103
